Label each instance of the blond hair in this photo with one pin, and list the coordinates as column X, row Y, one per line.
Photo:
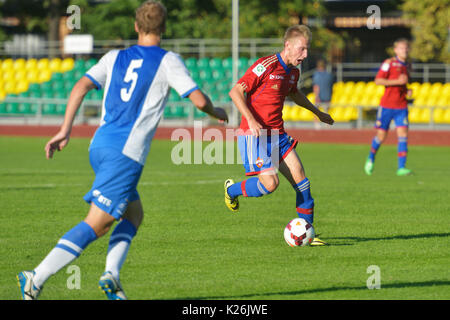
column 298, row 30
column 151, row 17
column 401, row 40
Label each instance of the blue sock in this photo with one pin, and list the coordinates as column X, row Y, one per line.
column 77, row 239
column 124, row 231
column 251, row 187
column 304, row 201
column 402, row 148
column 374, row 148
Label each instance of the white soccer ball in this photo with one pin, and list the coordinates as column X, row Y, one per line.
column 299, row 233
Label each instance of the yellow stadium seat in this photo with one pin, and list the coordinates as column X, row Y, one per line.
column 295, row 113
column 311, row 97
column 43, row 64
column 9, row 87
column 44, row 75
column 287, row 113
column 305, row 114
column 21, row 86
column 414, row 88
column 447, row 116
column 425, row 115
column 67, row 64
column 2, row 94
column 354, row 100
column 370, row 88
column 8, row 75
column 435, row 89
column 19, row 64
column 7, row 64
column 443, row 101
column 379, row 91
column 348, row 87
column 420, row 101
column 31, row 64
column 55, row 64
column 438, row 115
column 337, row 113
column 359, row 87
column 431, row 101
column 414, row 115
column 424, row 89
column 32, row 75
column 446, row 89
column 20, row 74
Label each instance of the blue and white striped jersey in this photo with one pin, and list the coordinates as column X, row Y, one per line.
column 136, row 84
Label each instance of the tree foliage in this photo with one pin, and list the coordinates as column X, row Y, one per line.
column 430, row 29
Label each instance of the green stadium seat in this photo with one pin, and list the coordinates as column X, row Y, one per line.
column 24, row 108
column 89, row 63
column 205, row 75
column 203, row 63
column 49, row 109
column 191, row 63
column 2, row 107
column 218, row 74
column 215, row 63
column 243, row 63
column 227, row 63
column 12, row 107
column 199, row 114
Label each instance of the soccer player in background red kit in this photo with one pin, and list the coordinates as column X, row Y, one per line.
column 263, row 143
column 393, row 74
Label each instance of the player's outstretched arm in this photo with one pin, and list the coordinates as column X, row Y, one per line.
column 299, row 98
column 203, row 103
column 61, row 139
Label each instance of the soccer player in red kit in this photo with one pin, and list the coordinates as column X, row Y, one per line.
column 393, row 74
column 263, row 143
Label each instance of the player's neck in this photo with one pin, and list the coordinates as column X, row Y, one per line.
column 284, row 58
column 402, row 60
column 148, row 39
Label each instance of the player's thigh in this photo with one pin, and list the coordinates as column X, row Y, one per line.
column 134, row 213
column 292, row 168
column 401, row 122
column 99, row 220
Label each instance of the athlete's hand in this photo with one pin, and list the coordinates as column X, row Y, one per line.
column 325, row 118
column 255, row 127
column 221, row 114
column 58, row 142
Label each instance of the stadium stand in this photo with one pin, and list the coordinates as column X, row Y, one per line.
column 54, row 78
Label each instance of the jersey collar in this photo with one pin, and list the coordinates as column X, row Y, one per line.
column 401, row 62
column 285, row 67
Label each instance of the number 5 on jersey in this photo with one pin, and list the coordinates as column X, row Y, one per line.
column 131, row 75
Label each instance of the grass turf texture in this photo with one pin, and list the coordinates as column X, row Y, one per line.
column 191, row 247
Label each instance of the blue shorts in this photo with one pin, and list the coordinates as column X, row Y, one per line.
column 385, row 116
column 264, row 153
column 116, row 179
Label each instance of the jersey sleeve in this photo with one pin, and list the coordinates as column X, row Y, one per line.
column 383, row 72
column 252, row 77
column 99, row 72
column 178, row 75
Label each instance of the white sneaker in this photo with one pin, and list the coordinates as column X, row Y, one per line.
column 27, row 288
column 111, row 287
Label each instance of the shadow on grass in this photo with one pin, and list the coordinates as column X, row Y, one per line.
column 352, row 240
column 323, row 290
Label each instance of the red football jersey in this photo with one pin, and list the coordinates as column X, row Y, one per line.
column 267, row 83
column 394, row 96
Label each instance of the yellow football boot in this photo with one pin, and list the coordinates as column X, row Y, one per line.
column 232, row 204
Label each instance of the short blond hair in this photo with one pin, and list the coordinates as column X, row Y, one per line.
column 299, row 30
column 151, row 17
column 401, row 40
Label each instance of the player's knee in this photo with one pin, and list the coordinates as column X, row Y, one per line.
column 271, row 184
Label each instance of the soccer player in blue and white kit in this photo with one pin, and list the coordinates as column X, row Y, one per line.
column 136, row 82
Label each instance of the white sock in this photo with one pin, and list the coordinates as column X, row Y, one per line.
column 116, row 257
column 53, row 262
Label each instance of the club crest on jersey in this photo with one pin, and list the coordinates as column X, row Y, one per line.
column 259, row 162
column 259, row 69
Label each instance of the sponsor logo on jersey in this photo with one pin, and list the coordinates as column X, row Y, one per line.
column 259, row 69
column 276, row 76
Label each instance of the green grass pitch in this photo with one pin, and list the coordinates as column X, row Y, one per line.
column 191, row 247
